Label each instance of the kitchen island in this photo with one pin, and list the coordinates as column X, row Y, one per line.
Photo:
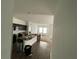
column 30, row 41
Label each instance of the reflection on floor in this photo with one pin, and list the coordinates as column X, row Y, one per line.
column 40, row 50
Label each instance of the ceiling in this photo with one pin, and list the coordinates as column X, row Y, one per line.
column 41, row 19
column 35, row 7
column 23, row 8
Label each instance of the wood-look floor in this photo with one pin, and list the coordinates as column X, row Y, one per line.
column 40, row 50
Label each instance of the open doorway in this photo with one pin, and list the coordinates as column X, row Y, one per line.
column 32, row 31
column 37, row 36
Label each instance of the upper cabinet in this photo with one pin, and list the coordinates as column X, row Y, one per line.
column 19, row 27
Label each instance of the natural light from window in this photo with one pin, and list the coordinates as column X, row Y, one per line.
column 40, row 29
column 43, row 30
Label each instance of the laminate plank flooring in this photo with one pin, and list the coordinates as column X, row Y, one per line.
column 40, row 50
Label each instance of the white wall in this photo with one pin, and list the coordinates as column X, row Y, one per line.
column 33, row 26
column 50, row 31
column 65, row 35
column 6, row 28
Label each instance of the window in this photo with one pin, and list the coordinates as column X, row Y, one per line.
column 43, row 30
column 40, row 29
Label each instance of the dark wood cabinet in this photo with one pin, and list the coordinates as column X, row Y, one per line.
column 19, row 26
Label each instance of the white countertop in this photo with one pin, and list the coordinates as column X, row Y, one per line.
column 31, row 41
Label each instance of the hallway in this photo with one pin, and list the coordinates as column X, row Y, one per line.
column 40, row 50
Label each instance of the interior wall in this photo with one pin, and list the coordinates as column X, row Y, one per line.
column 50, row 31
column 65, row 31
column 33, row 27
column 6, row 28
